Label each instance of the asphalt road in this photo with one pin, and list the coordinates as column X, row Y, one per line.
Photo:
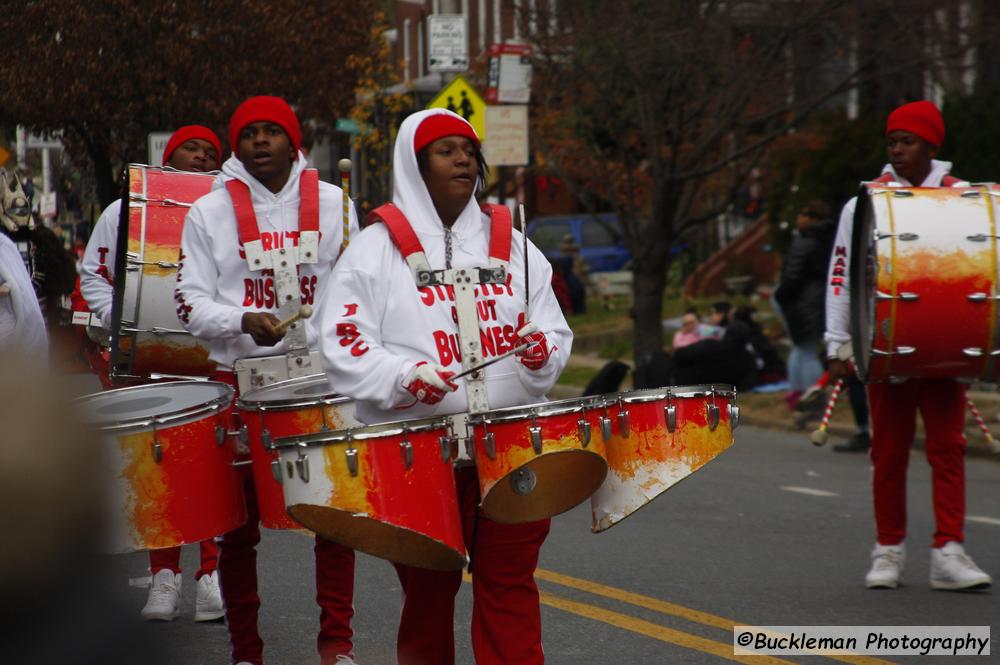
column 774, row 532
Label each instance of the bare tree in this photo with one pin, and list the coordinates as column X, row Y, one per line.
column 662, row 108
column 107, row 73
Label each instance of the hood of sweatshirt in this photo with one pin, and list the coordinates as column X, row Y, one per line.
column 233, row 169
column 938, row 171
column 409, row 193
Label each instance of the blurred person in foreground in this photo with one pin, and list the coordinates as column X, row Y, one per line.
column 59, row 600
column 914, row 133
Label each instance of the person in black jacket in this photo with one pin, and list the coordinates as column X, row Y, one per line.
column 801, row 292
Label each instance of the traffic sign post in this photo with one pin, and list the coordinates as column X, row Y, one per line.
column 507, row 131
column 509, row 77
column 156, row 143
column 448, row 49
column 460, row 97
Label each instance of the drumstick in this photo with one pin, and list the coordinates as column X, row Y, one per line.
column 982, row 426
column 476, row 368
column 524, row 236
column 820, row 436
column 304, row 313
column 345, row 184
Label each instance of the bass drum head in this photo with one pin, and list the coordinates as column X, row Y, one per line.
column 138, row 406
column 863, row 272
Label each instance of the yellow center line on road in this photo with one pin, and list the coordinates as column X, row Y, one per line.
column 656, row 631
column 672, row 609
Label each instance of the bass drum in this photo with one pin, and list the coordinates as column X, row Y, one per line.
column 924, row 283
column 148, row 338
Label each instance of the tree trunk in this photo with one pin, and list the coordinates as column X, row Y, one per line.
column 647, row 292
column 107, row 188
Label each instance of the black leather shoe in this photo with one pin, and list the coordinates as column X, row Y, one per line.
column 859, row 443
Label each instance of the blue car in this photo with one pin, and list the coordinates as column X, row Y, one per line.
column 598, row 236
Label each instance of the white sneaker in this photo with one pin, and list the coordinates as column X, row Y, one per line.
column 887, row 566
column 345, row 660
column 208, row 602
column 164, row 594
column 952, row 568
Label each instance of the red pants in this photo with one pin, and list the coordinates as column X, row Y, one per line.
column 170, row 558
column 506, row 619
column 894, row 413
column 238, row 579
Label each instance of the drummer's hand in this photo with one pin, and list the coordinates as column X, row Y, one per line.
column 263, row 327
column 839, row 369
column 535, row 351
column 429, row 383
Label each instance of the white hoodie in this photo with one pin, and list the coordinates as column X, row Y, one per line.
column 375, row 325
column 215, row 287
column 97, row 274
column 838, row 284
column 22, row 328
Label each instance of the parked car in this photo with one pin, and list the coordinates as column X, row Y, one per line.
column 599, row 237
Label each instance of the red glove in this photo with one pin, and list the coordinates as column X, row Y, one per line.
column 535, row 352
column 429, row 383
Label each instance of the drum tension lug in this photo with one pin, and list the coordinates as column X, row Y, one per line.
column 900, row 351
column 584, row 432
column 276, row 470
column 406, row 449
column 976, row 352
column 671, row 413
column 302, row 464
column 536, row 438
column 220, row 435
column 265, row 438
column 449, row 448
column 606, row 427
column 623, row 424
column 713, row 417
column 157, row 451
column 490, row 445
column 734, row 416
column 352, row 460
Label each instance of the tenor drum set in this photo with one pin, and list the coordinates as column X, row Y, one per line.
column 389, row 490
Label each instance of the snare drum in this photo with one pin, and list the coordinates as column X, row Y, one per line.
column 656, row 438
column 537, row 461
column 148, row 338
column 924, row 283
column 286, row 408
column 387, row 490
column 171, row 477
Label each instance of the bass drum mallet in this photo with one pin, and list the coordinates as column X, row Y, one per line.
column 820, row 436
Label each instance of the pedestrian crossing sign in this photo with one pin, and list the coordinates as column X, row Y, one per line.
column 459, row 96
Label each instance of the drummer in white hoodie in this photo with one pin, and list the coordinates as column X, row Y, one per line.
column 221, row 299
column 392, row 346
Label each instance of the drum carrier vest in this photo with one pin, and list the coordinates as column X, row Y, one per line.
column 463, row 280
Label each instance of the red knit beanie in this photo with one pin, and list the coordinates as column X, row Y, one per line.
column 188, row 132
column 921, row 118
column 265, row 109
column 438, row 126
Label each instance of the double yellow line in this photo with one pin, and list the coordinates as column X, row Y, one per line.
column 656, row 631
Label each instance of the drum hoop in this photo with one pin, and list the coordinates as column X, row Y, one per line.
column 364, row 432
column 213, row 405
column 542, row 410
column 244, row 402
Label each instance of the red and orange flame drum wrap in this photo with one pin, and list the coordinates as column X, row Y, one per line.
column 924, row 283
column 656, row 438
column 387, row 490
column 170, row 477
column 287, row 408
column 150, row 338
column 537, row 461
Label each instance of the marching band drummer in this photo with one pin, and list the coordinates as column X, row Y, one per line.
column 191, row 148
column 265, row 199
column 914, row 133
column 394, row 347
